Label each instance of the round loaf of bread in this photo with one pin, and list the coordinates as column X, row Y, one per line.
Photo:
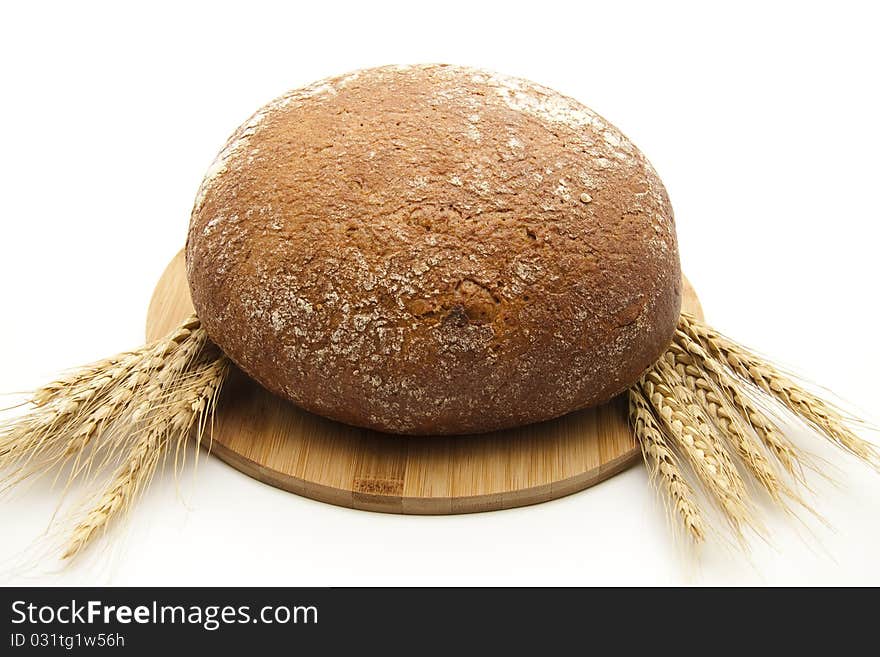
column 434, row 250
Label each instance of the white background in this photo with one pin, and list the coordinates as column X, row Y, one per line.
column 761, row 119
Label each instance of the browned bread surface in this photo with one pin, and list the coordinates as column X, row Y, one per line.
column 434, row 249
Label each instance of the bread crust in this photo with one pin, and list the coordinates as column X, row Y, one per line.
column 434, row 250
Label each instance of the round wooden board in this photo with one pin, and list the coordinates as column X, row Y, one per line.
column 274, row 441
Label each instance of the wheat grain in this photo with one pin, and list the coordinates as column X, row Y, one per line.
column 663, row 466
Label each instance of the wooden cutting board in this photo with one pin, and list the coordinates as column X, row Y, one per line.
column 274, row 441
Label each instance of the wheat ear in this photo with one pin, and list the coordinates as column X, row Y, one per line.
column 698, row 442
column 816, row 412
column 116, row 416
column 705, row 392
column 731, row 389
column 729, row 423
column 63, row 420
column 169, row 424
column 663, row 466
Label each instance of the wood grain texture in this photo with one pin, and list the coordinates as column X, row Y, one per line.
column 274, row 441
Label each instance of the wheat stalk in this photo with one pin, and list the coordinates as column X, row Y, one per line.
column 816, row 412
column 663, row 466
